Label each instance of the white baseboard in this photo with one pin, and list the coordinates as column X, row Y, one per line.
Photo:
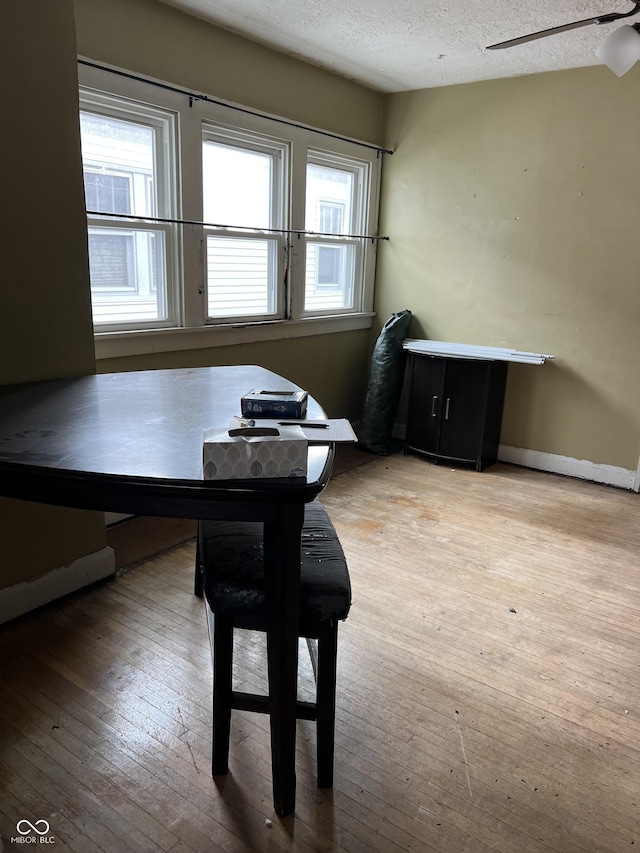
column 25, row 596
column 610, row 475
column 622, row 478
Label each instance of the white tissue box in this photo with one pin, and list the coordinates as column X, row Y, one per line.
column 244, row 457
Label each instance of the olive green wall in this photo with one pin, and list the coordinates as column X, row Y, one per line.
column 333, row 368
column 44, row 301
column 512, row 207
column 44, row 292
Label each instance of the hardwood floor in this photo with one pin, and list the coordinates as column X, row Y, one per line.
column 488, row 686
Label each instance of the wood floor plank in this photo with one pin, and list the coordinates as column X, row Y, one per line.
column 488, row 693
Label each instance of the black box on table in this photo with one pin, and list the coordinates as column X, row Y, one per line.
column 274, row 404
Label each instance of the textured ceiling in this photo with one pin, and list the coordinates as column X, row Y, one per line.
column 397, row 45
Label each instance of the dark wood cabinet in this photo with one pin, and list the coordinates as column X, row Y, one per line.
column 455, row 409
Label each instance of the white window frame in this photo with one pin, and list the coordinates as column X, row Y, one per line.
column 189, row 327
column 164, row 125
column 278, row 150
column 358, row 223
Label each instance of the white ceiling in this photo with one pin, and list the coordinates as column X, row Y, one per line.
column 397, row 45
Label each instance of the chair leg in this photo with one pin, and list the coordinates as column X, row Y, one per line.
column 222, row 687
column 326, row 704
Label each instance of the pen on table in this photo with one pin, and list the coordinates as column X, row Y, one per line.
column 303, row 424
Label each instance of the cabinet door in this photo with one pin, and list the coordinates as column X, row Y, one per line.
column 425, row 403
column 464, row 407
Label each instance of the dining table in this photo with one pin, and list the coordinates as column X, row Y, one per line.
column 132, row 442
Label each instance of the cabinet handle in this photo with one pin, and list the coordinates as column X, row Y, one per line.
column 446, row 409
column 434, row 406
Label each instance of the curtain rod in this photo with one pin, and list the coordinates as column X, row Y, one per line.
column 299, row 232
column 194, row 97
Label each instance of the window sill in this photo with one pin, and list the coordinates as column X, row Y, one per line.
column 120, row 344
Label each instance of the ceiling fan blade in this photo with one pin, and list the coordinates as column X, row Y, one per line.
column 543, row 34
column 600, row 19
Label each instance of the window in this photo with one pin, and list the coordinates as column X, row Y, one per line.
column 242, row 190
column 329, row 269
column 125, row 174
column 335, row 205
column 218, row 226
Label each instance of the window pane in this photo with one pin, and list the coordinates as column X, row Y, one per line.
column 329, row 207
column 237, row 186
column 110, row 193
column 127, row 266
column 127, row 275
column 331, row 216
column 330, row 274
column 111, row 261
column 119, row 165
column 240, row 276
column 330, row 266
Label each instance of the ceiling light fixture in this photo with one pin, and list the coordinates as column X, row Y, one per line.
column 621, row 50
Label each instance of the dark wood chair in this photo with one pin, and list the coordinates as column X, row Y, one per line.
column 229, row 572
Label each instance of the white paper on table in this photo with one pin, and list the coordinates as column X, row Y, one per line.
column 324, row 431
